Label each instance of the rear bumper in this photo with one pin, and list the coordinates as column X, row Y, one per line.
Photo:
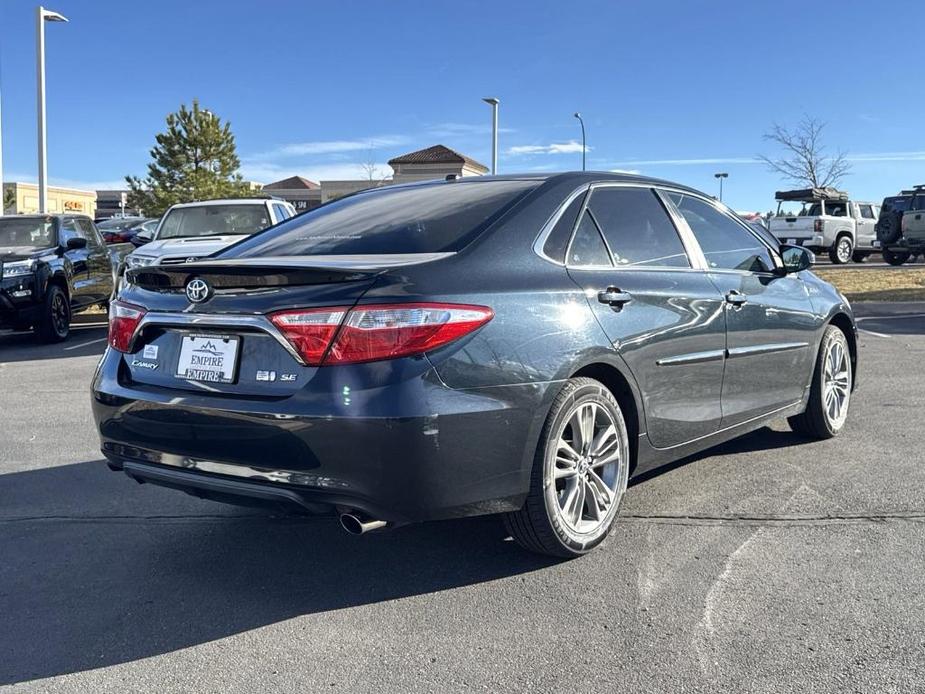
column 412, row 451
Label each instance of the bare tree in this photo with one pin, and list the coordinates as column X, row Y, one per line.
column 371, row 171
column 805, row 161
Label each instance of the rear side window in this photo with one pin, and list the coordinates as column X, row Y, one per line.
column 918, row 203
column 416, row 219
column 557, row 241
column 866, row 212
column 637, row 228
column 588, row 247
column 726, row 244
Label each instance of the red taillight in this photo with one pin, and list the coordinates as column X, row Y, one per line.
column 309, row 331
column 376, row 332
column 123, row 320
column 817, row 226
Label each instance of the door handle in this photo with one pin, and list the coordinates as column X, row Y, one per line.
column 736, row 298
column 614, row 297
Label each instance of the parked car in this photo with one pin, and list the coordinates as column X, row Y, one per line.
column 198, row 229
column 124, row 229
column 829, row 222
column 51, row 266
column 901, row 228
column 515, row 345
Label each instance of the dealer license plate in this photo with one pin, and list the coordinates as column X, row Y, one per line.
column 208, row 358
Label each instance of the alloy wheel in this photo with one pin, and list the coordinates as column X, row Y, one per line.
column 844, row 250
column 836, row 384
column 587, row 466
column 59, row 314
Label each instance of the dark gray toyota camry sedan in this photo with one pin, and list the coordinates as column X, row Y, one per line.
column 518, row 345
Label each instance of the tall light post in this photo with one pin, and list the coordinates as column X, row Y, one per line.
column 721, row 176
column 584, row 145
column 493, row 102
column 41, row 16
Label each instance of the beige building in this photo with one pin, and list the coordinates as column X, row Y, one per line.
column 438, row 161
column 435, row 162
column 60, row 200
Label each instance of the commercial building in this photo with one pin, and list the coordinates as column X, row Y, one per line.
column 60, row 200
column 436, row 162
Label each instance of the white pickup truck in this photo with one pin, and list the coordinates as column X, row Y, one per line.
column 827, row 220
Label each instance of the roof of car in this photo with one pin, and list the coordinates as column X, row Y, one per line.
column 576, row 177
column 224, row 201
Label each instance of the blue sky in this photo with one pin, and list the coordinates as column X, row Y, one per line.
column 675, row 89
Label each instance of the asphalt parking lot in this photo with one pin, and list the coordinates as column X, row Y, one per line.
column 768, row 564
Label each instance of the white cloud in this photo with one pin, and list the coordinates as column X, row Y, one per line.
column 315, row 148
column 888, row 156
column 570, row 147
column 265, row 172
column 688, row 162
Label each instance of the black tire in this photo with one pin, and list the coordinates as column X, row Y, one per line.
column 815, row 422
column 842, row 250
column 860, row 256
column 54, row 324
column 538, row 526
column 895, row 257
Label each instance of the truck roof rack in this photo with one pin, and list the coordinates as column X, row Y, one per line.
column 812, row 195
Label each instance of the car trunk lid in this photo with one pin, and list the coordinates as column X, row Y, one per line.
column 179, row 341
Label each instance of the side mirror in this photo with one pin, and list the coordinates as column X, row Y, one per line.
column 142, row 237
column 75, row 242
column 796, row 258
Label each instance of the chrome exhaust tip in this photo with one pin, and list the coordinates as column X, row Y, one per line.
column 358, row 525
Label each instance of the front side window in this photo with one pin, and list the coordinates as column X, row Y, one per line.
column 726, row 244
column 431, row 218
column 637, row 228
column 281, row 212
column 215, row 220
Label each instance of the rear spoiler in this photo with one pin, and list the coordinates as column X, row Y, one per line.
column 255, row 273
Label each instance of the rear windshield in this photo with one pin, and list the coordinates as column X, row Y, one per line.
column 117, row 224
column 214, row 220
column 38, row 232
column 420, row 219
column 896, row 204
column 832, row 209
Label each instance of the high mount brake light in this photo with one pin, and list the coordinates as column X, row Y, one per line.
column 376, row 332
column 123, row 321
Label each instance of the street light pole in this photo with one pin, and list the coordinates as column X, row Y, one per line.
column 584, row 145
column 493, row 102
column 41, row 16
column 721, row 176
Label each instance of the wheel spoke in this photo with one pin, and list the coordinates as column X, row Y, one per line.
column 576, row 506
column 605, row 442
column 600, row 495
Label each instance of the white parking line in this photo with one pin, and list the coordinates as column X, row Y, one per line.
column 84, row 344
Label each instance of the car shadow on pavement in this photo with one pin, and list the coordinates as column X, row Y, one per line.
column 764, row 439
column 97, row 570
column 87, row 338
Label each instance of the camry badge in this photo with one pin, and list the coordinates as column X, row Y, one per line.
column 198, row 290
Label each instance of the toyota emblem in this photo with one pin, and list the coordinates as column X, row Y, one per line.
column 198, row 290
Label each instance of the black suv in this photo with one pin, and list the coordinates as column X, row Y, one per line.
column 889, row 227
column 50, row 267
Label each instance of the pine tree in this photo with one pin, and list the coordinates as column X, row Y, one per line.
column 195, row 159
